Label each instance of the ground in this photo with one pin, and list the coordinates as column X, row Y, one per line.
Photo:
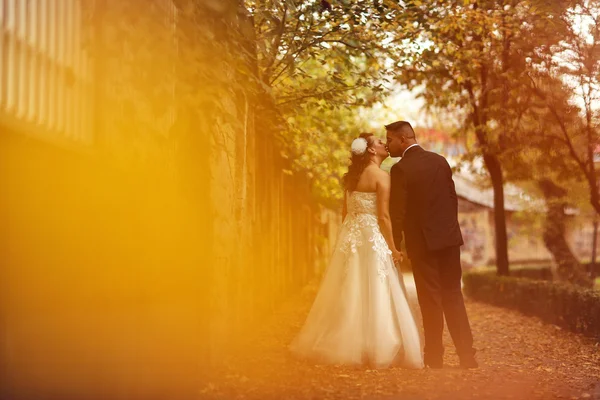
column 521, row 358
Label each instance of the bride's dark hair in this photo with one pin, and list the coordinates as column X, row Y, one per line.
column 358, row 163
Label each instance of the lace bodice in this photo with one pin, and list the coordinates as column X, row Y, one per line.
column 362, row 226
column 362, row 203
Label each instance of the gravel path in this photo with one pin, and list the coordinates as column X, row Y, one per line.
column 521, row 358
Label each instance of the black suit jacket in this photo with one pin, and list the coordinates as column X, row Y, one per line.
column 423, row 203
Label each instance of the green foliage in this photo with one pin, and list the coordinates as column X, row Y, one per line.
column 345, row 40
column 320, row 146
column 520, row 75
column 562, row 304
column 535, row 273
column 320, row 63
column 496, row 64
column 543, row 272
column 470, row 57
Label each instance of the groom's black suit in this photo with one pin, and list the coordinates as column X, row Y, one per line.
column 423, row 205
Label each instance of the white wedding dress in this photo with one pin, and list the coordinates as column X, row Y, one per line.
column 361, row 314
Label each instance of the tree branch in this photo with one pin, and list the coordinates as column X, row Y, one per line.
column 276, row 43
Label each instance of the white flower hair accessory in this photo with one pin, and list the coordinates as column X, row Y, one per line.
column 359, row 146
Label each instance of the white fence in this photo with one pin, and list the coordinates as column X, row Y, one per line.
column 45, row 70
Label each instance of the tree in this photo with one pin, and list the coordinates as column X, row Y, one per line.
column 469, row 55
column 317, row 63
column 568, row 84
column 542, row 168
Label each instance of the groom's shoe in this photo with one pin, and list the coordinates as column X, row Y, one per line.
column 468, row 362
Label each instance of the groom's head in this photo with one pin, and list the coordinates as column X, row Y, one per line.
column 400, row 135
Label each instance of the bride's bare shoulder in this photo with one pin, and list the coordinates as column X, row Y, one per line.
column 381, row 177
column 376, row 173
column 382, row 174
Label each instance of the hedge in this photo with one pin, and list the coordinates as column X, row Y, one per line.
column 537, row 273
column 545, row 272
column 576, row 309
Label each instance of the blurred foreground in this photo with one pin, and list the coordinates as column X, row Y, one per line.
column 146, row 218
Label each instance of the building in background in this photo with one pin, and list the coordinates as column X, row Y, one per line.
column 525, row 242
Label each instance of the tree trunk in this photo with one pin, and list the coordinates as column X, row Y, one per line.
column 568, row 267
column 492, row 164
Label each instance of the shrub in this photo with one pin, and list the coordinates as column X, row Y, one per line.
column 537, row 273
column 569, row 306
column 544, row 273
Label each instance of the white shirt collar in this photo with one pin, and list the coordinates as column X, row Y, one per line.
column 412, row 145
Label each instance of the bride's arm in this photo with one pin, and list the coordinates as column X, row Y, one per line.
column 383, row 211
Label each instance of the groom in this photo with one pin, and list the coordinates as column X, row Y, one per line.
column 423, row 205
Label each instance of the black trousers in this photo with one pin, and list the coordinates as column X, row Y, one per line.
column 437, row 278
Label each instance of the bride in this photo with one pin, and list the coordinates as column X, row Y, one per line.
column 361, row 314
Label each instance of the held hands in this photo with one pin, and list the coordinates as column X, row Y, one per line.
column 398, row 256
